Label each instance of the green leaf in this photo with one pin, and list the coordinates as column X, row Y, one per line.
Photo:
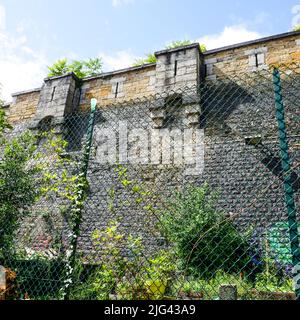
column 59, row 68
column 151, row 58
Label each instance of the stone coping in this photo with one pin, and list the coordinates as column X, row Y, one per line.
column 251, row 42
column 63, row 76
column 116, row 72
column 158, row 53
column 26, row 92
column 182, row 48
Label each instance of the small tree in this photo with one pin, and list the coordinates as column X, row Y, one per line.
column 203, row 48
column 296, row 28
column 181, row 43
column 17, row 184
column 149, row 59
column 27, row 174
column 58, row 68
column 18, row 189
column 82, row 69
column 204, row 238
column 93, row 66
column 4, row 124
column 77, row 66
column 3, row 121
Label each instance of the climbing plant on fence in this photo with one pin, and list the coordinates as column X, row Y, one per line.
column 32, row 170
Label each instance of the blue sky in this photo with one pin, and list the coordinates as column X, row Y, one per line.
column 34, row 33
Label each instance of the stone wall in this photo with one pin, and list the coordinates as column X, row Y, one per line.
column 118, row 87
column 227, row 111
column 252, row 57
column 24, row 106
column 178, row 68
column 246, row 176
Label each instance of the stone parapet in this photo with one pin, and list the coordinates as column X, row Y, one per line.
column 175, row 69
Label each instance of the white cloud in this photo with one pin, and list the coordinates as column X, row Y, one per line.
column 230, row 35
column 120, row 60
column 118, row 3
column 2, row 18
column 296, row 18
column 21, row 67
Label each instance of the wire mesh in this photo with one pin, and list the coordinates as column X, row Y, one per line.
column 183, row 198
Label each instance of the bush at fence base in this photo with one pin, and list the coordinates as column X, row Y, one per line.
column 125, row 271
column 208, row 289
column 264, row 295
column 205, row 239
column 267, row 286
column 39, row 278
column 102, row 285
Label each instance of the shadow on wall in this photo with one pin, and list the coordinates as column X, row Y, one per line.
column 75, row 128
column 273, row 163
column 219, row 100
column 239, row 106
column 233, row 107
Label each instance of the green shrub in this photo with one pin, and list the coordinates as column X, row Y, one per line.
column 208, row 289
column 149, row 59
column 204, row 238
column 18, row 189
column 3, row 122
column 81, row 69
column 26, row 177
column 270, row 282
column 180, row 43
column 273, row 278
column 123, row 270
column 38, row 277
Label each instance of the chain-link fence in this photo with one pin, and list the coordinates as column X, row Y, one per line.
column 190, row 194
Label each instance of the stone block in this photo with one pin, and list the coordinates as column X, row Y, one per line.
column 228, row 292
column 252, row 61
column 209, row 69
column 296, row 56
column 158, row 103
column 188, row 63
column 181, row 71
column 210, row 61
column 188, row 78
column 193, row 119
column 192, row 109
column 152, row 81
column 118, row 79
column 261, row 58
column 256, row 50
column 160, row 76
column 212, row 78
column 158, row 123
column 190, row 97
column 158, row 113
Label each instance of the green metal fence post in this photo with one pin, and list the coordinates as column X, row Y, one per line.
column 89, row 134
column 288, row 187
column 77, row 206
